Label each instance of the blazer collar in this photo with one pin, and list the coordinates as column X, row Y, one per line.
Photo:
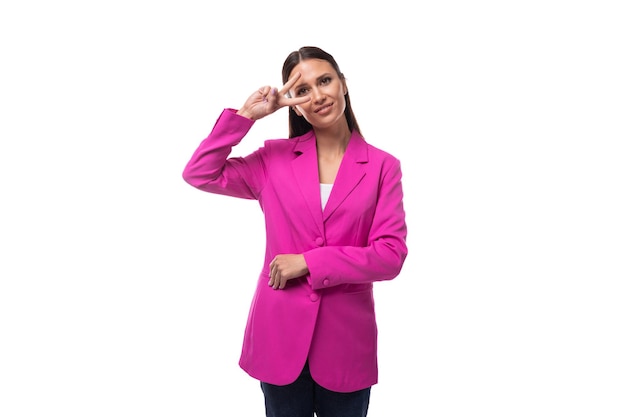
column 357, row 147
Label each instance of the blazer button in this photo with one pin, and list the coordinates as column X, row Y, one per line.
column 314, row 297
column 319, row 241
column 326, row 282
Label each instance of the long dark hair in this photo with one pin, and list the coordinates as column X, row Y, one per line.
column 298, row 124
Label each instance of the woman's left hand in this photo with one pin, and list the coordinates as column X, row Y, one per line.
column 285, row 267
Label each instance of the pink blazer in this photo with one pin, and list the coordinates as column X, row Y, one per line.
column 328, row 315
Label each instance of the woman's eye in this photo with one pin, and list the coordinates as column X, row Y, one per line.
column 301, row 91
column 325, row 80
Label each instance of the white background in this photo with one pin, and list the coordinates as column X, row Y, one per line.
column 124, row 291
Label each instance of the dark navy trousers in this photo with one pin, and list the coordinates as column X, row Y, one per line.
column 304, row 397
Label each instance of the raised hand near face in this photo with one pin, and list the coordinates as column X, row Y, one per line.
column 266, row 100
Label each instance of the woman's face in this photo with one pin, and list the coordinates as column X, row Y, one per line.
column 319, row 80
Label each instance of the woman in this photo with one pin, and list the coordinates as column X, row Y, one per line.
column 335, row 224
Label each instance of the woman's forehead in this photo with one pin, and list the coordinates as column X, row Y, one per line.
column 312, row 67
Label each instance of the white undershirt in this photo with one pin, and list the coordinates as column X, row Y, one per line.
column 325, row 191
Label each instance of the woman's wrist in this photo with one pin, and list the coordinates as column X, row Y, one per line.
column 245, row 113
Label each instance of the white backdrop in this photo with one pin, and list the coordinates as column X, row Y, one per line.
column 124, row 291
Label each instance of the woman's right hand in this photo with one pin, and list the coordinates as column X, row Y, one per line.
column 266, row 100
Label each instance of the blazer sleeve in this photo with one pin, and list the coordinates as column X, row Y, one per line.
column 383, row 257
column 210, row 169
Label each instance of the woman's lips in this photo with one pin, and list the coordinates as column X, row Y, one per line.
column 323, row 109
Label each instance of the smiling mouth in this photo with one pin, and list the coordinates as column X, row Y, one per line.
column 323, row 108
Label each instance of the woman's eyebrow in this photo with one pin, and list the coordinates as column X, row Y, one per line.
column 327, row 74
column 318, row 79
column 298, row 86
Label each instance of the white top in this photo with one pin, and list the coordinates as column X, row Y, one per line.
column 325, row 190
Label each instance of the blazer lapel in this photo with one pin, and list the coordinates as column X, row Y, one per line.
column 351, row 172
column 305, row 172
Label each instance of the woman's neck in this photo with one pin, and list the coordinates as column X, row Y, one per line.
column 332, row 142
column 331, row 146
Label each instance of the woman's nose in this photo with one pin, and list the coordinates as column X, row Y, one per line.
column 317, row 95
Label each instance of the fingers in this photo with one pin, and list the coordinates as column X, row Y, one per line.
column 288, row 100
column 295, row 101
column 266, row 92
column 272, row 274
column 275, row 276
column 277, row 279
column 290, row 82
column 274, row 99
column 263, row 91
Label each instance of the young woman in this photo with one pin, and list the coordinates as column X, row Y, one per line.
column 335, row 224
